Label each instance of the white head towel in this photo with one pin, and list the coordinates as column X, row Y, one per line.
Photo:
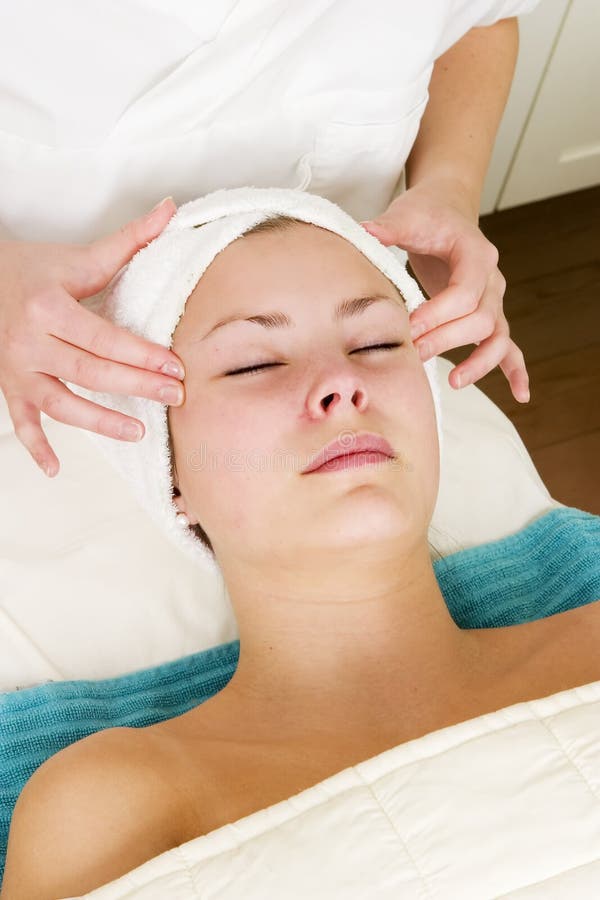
column 148, row 297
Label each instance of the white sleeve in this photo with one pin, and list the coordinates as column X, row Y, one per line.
column 466, row 14
column 494, row 10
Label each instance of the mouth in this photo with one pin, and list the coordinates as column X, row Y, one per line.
column 352, row 461
column 363, row 449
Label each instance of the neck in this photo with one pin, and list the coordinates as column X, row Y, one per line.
column 333, row 658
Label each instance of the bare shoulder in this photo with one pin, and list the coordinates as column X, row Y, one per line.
column 89, row 814
column 583, row 648
column 558, row 652
column 576, row 634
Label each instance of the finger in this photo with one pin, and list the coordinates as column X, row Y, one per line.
column 487, row 318
column 73, row 323
column 486, row 357
column 103, row 258
column 98, row 374
column 472, row 264
column 471, row 329
column 384, row 232
column 58, row 402
column 513, row 366
column 27, row 424
column 497, row 350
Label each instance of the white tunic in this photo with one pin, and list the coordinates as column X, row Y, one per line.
column 107, row 106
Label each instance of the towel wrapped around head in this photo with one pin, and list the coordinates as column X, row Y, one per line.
column 148, row 297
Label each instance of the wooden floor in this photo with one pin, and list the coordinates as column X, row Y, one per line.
column 550, row 257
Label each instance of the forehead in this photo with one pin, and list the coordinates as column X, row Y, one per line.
column 303, row 266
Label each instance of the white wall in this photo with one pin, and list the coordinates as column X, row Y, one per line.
column 548, row 142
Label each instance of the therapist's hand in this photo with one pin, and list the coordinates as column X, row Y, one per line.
column 46, row 334
column 457, row 267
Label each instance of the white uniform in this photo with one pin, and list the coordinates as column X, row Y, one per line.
column 106, row 106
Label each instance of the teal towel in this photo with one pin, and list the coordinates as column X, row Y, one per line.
column 551, row 565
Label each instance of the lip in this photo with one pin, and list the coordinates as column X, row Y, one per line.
column 363, row 441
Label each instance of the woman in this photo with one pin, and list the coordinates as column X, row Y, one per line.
column 343, row 655
column 185, row 114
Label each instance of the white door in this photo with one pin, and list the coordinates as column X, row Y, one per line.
column 559, row 147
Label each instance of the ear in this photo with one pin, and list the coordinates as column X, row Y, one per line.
column 181, row 505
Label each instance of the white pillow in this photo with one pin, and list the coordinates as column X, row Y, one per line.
column 90, row 588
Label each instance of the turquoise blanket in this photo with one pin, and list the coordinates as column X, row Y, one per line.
column 550, row 566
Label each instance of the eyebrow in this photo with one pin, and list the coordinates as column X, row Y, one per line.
column 346, row 309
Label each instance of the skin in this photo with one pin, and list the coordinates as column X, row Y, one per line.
column 338, row 603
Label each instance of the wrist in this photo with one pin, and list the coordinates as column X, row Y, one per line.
column 451, row 188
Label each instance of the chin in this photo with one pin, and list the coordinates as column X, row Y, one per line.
column 367, row 527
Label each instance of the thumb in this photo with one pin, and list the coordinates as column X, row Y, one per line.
column 105, row 256
column 381, row 229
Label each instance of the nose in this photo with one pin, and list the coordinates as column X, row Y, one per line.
column 337, row 390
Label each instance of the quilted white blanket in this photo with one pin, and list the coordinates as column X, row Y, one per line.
column 503, row 805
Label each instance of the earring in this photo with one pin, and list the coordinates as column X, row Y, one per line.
column 182, row 520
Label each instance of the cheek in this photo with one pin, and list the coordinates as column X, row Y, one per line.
column 226, row 451
column 408, row 397
column 411, row 407
column 425, row 448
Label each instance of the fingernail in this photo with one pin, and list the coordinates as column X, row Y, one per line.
column 131, row 431
column 160, row 203
column 417, row 330
column 377, row 226
column 174, row 369
column 45, row 467
column 171, row 394
column 459, row 381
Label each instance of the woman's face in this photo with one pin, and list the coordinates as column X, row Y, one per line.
column 241, row 441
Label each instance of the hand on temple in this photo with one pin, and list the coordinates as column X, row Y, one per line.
column 456, row 266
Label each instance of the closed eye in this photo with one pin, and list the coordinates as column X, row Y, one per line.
column 248, row 369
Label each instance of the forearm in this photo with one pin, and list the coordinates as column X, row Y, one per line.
column 469, row 87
